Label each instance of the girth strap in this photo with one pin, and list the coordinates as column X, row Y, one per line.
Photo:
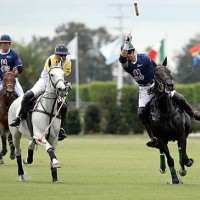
column 46, row 113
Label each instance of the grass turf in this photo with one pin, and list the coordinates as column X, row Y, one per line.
column 101, row 167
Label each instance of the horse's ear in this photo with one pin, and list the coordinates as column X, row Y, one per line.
column 165, row 62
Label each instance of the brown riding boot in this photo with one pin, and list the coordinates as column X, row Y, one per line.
column 180, row 100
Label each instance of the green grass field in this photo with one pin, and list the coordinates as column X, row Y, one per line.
column 101, row 167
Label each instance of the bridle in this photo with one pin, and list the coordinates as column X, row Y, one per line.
column 161, row 85
column 8, row 85
column 55, row 84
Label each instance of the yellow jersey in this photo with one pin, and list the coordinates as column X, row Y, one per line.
column 53, row 61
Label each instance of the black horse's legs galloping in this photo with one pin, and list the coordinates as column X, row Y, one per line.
column 182, row 152
column 182, row 170
column 162, row 163
column 170, row 162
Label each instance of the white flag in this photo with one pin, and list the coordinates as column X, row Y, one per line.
column 73, row 48
column 112, row 51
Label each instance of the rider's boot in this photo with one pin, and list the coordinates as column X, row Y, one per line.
column 26, row 99
column 62, row 134
column 180, row 100
column 142, row 115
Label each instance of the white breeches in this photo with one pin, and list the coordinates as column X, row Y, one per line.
column 144, row 97
column 39, row 86
column 18, row 88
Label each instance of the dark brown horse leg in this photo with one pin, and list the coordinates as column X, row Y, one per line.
column 4, row 144
column 162, row 163
column 12, row 147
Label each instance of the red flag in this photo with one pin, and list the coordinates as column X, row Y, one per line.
column 157, row 52
column 194, row 50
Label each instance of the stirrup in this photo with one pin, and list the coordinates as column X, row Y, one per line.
column 62, row 134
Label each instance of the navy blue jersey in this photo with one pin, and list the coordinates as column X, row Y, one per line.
column 10, row 60
column 142, row 71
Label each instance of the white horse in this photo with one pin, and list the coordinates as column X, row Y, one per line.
column 45, row 123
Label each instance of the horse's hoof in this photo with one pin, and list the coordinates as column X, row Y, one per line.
column 57, row 181
column 162, row 171
column 55, row 164
column 25, row 161
column 190, row 162
column 182, row 172
column 21, row 178
column 1, row 162
column 4, row 152
column 176, row 181
column 12, row 156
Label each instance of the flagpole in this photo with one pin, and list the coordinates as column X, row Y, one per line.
column 77, row 75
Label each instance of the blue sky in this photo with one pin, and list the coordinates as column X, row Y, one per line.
column 176, row 20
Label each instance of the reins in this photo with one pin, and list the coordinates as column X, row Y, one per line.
column 40, row 138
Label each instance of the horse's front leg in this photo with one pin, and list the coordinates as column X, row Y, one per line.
column 4, row 144
column 170, row 161
column 162, row 162
column 182, row 170
column 182, row 143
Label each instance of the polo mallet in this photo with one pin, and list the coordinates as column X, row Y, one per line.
column 40, row 138
column 136, row 14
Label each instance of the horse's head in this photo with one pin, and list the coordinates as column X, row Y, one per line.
column 163, row 77
column 9, row 82
column 56, row 77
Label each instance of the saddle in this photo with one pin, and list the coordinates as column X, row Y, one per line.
column 28, row 110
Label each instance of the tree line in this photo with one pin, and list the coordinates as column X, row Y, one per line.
column 91, row 63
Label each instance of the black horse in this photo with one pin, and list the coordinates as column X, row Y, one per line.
column 168, row 122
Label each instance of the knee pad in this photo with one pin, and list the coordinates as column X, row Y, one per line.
column 28, row 95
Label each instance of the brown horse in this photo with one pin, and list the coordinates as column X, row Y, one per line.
column 7, row 96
